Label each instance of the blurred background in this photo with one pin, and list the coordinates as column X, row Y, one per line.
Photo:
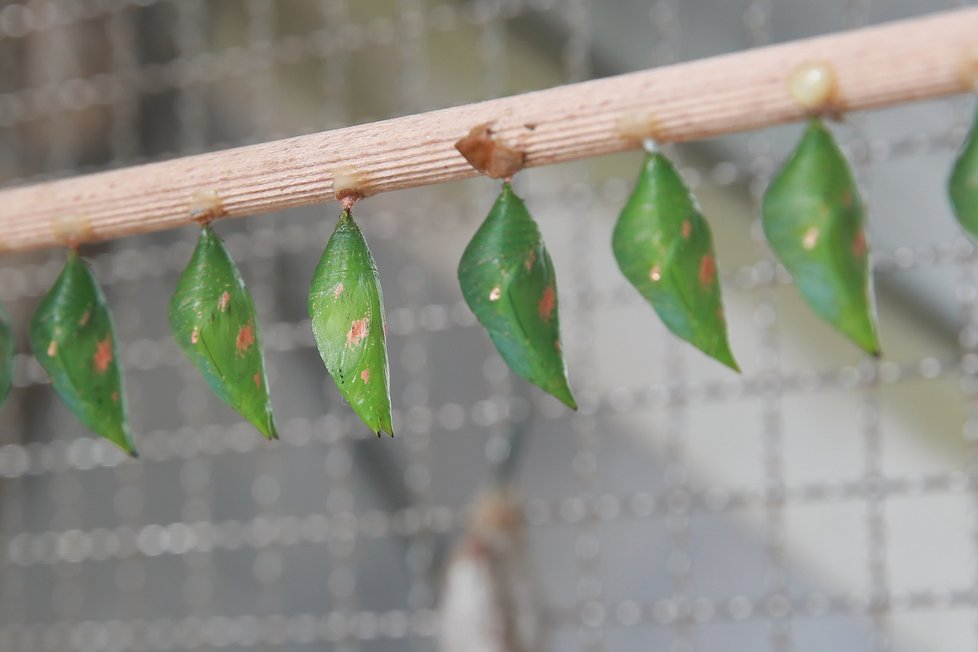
column 821, row 500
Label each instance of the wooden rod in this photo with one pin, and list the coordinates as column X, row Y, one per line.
column 898, row 62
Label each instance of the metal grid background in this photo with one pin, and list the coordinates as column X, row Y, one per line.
column 331, row 539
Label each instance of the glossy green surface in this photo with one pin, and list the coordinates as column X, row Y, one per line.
column 813, row 220
column 664, row 247
column 963, row 185
column 6, row 355
column 72, row 338
column 347, row 310
column 508, row 281
column 212, row 317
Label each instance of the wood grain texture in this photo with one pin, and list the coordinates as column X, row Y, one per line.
column 878, row 66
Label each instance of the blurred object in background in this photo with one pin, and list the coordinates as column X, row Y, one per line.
column 491, row 601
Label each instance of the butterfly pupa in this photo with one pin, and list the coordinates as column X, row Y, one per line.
column 813, row 219
column 212, row 317
column 664, row 247
column 508, row 281
column 963, row 185
column 6, row 355
column 73, row 339
column 346, row 306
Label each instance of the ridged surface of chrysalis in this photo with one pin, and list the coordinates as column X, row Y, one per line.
column 664, row 247
column 964, row 182
column 508, row 281
column 6, row 355
column 73, row 339
column 212, row 317
column 347, row 310
column 813, row 220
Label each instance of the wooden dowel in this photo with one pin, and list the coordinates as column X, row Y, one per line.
column 899, row 62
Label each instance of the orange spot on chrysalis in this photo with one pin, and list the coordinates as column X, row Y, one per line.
column 495, row 294
column 547, row 303
column 52, row 349
column 687, row 228
column 810, row 239
column 338, row 290
column 103, row 355
column 365, row 376
column 859, row 244
column 246, row 337
column 530, row 259
column 655, row 274
column 115, row 397
column 85, row 317
column 194, row 335
column 358, row 331
column 224, row 301
column 257, row 380
column 708, row 269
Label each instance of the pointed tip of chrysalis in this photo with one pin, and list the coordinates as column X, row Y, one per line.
column 123, row 439
column 731, row 364
column 868, row 342
column 726, row 358
column 126, row 446
column 873, row 351
column 269, row 432
column 565, row 396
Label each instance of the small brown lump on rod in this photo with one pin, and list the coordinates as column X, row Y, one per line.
column 488, row 155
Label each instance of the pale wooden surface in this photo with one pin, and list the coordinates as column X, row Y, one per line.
column 894, row 63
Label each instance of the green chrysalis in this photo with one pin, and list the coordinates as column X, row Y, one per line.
column 72, row 338
column 347, row 310
column 212, row 317
column 6, row 355
column 664, row 248
column 813, row 220
column 508, row 281
column 964, row 182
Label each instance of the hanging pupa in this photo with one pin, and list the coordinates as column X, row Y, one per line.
column 347, row 310
column 212, row 317
column 664, row 248
column 963, row 185
column 813, row 219
column 72, row 338
column 6, row 355
column 508, row 279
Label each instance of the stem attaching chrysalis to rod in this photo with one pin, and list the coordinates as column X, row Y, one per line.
column 508, row 279
column 73, row 339
column 212, row 317
column 346, row 306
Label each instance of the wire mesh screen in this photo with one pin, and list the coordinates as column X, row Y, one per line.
column 822, row 500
